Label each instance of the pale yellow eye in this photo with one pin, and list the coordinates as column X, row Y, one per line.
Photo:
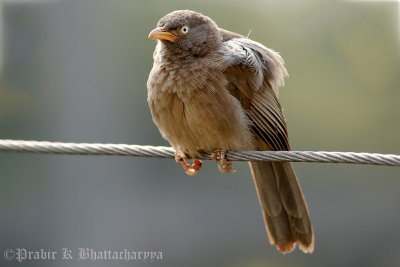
column 185, row 30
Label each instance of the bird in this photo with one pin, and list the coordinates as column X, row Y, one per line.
column 212, row 91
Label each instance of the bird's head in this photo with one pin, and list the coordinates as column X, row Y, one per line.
column 187, row 33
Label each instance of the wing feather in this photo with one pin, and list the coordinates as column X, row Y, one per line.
column 255, row 73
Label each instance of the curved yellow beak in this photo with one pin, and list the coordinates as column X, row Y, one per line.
column 161, row 34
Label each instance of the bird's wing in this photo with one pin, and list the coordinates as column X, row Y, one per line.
column 254, row 73
column 227, row 35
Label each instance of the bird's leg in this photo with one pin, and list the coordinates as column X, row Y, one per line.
column 224, row 166
column 190, row 169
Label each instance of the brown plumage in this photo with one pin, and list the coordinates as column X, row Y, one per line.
column 211, row 90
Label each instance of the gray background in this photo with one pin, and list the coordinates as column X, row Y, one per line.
column 76, row 71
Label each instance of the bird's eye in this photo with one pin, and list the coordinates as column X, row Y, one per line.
column 185, row 29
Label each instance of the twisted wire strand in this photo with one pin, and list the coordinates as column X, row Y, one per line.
column 7, row 145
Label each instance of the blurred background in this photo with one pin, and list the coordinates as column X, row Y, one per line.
column 76, row 71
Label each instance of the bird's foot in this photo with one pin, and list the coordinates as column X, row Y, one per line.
column 189, row 169
column 224, row 166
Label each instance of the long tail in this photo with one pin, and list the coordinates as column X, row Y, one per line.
column 284, row 209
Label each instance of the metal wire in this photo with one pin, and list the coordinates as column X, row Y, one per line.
column 7, row 145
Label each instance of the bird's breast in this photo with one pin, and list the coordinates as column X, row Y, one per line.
column 194, row 110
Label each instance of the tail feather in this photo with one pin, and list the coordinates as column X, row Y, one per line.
column 284, row 208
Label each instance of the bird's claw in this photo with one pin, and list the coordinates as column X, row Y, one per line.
column 194, row 169
column 224, row 166
column 189, row 169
